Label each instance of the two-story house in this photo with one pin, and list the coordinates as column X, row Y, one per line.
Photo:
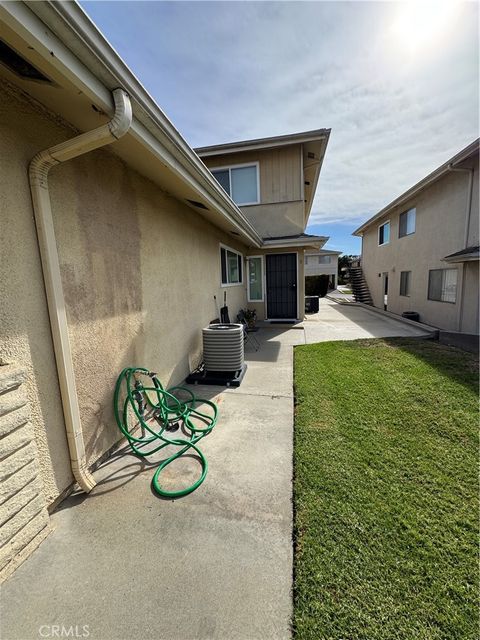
column 322, row 263
column 273, row 181
column 117, row 247
column 421, row 252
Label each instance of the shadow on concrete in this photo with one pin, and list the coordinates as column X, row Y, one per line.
column 366, row 320
column 459, row 365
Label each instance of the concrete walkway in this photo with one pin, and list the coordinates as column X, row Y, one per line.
column 216, row 564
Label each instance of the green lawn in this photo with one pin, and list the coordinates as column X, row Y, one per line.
column 385, row 491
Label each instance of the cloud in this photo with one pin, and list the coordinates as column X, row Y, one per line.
column 225, row 71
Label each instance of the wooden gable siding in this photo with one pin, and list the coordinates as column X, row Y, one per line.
column 280, row 171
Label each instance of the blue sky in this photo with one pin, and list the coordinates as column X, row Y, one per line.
column 396, row 82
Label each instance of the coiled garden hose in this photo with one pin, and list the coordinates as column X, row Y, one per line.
column 156, row 411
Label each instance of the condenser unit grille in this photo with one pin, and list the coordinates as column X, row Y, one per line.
column 223, row 347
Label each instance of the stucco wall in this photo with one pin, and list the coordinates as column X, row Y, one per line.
column 139, row 271
column 276, row 220
column 440, row 229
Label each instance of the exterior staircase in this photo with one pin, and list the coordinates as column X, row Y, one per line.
column 360, row 289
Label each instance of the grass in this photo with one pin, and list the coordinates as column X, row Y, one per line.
column 385, row 491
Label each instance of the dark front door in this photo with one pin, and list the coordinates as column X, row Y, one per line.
column 281, row 285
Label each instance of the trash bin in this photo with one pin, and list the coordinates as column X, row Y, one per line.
column 311, row 304
column 411, row 315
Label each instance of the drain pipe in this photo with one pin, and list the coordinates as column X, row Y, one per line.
column 38, row 178
column 468, row 214
column 468, row 211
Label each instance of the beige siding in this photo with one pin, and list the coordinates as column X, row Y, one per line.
column 440, row 231
column 280, row 171
column 281, row 210
column 139, row 270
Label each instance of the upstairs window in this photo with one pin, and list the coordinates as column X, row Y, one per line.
column 407, row 223
column 384, row 233
column 324, row 259
column 231, row 266
column 240, row 182
column 442, row 285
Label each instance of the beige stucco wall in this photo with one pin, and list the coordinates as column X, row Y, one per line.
column 277, row 219
column 470, row 309
column 260, row 306
column 440, row 230
column 139, row 271
column 281, row 210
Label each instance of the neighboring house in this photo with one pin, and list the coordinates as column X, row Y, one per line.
column 421, row 252
column 119, row 255
column 323, row 262
column 273, row 181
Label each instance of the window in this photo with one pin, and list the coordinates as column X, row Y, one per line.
column 405, row 277
column 442, row 285
column 240, row 182
column 384, row 233
column 231, row 265
column 318, row 259
column 407, row 223
column 255, row 279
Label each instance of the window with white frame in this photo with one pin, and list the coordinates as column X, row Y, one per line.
column 231, row 266
column 442, row 285
column 240, row 182
column 324, row 259
column 384, row 233
column 255, row 279
column 405, row 278
column 406, row 224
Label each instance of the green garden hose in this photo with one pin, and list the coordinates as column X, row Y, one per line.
column 156, row 411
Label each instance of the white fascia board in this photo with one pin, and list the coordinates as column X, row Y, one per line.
column 432, row 177
column 313, row 243
column 161, row 138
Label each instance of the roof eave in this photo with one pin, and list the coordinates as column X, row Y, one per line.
column 150, row 125
column 263, row 143
column 314, row 242
column 432, row 177
column 466, row 257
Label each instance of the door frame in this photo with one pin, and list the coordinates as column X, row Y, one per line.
column 279, row 253
column 385, row 287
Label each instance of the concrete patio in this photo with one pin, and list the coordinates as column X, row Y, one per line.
column 215, row 564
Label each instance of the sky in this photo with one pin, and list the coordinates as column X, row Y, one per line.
column 396, row 82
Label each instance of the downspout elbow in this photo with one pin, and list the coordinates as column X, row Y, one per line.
column 38, row 177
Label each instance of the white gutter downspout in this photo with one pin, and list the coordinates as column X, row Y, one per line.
column 468, row 214
column 38, row 178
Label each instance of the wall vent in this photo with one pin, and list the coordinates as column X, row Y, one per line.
column 197, row 204
column 21, row 67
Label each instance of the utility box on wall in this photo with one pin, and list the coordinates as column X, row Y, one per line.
column 24, row 519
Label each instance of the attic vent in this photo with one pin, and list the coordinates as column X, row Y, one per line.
column 200, row 205
column 310, row 155
column 13, row 61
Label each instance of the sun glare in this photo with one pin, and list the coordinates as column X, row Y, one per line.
column 419, row 24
